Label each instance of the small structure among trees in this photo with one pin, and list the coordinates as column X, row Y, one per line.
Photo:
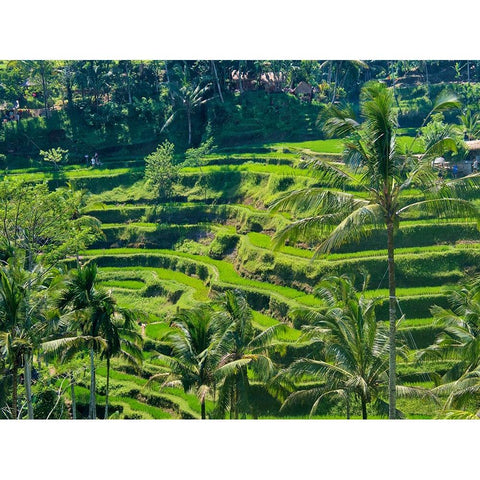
column 304, row 91
column 273, row 81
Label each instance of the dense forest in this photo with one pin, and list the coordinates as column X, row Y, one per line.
column 239, row 239
column 126, row 106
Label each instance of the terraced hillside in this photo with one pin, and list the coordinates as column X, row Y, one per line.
column 215, row 234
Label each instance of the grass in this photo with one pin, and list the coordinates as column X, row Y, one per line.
column 201, row 291
column 263, row 322
column 157, row 330
column 407, row 292
column 128, row 284
column 318, row 146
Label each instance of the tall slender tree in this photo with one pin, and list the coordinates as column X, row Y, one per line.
column 119, row 329
column 189, row 96
column 88, row 308
column 384, row 177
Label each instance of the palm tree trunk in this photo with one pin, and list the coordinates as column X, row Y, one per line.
column 364, row 408
column 426, row 78
column 14, row 389
column 44, row 86
column 337, row 68
column 27, row 360
column 235, row 398
column 129, row 88
column 204, row 416
column 107, row 388
column 347, row 402
column 216, row 78
column 168, row 82
column 392, row 367
column 92, row 408
column 189, row 119
column 69, row 96
column 72, row 394
column 240, row 85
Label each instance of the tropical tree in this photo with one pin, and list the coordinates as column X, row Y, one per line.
column 189, row 96
column 87, row 308
column 458, row 342
column 92, row 320
column 119, row 330
column 37, row 70
column 383, row 177
column 23, row 323
column 11, row 316
column 193, row 359
column 240, row 347
column 54, row 155
column 340, row 70
column 41, row 227
column 470, row 124
column 355, row 347
column 160, row 170
column 46, row 225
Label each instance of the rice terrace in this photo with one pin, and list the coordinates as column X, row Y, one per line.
column 220, row 239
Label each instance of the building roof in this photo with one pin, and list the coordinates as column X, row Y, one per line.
column 473, row 144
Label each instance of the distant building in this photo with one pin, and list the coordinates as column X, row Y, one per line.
column 247, row 83
column 473, row 147
column 303, row 91
column 273, row 82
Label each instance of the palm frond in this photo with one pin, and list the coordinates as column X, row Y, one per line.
column 445, row 101
column 357, row 225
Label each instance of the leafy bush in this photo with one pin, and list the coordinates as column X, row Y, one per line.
column 223, row 244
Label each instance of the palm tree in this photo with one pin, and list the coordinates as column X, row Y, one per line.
column 189, row 97
column 355, row 346
column 193, row 358
column 119, row 330
column 351, row 68
column 470, row 124
column 93, row 320
column 240, row 347
column 459, row 341
column 22, row 321
column 383, row 177
column 11, row 315
column 88, row 307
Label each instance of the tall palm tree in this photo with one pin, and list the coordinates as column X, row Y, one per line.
column 88, row 308
column 383, row 178
column 22, row 322
column 11, row 315
column 93, row 320
column 188, row 97
column 119, row 329
column 193, row 358
column 240, row 347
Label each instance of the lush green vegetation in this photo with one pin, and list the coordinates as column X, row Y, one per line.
column 150, row 285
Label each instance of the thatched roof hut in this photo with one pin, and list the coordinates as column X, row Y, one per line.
column 273, row 81
column 304, row 91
